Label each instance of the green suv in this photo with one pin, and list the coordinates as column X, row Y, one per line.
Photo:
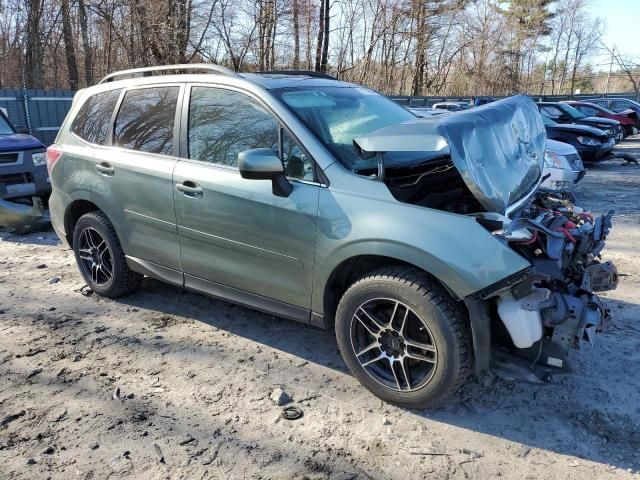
column 425, row 243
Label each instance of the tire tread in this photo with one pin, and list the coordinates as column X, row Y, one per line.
column 130, row 280
column 435, row 294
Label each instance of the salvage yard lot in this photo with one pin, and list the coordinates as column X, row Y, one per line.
column 164, row 383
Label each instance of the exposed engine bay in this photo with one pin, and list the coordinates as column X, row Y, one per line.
column 433, row 184
column 555, row 304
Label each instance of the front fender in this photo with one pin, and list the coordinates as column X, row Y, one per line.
column 455, row 249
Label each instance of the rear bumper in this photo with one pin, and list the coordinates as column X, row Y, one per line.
column 58, row 203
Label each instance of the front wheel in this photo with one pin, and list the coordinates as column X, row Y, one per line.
column 100, row 257
column 403, row 337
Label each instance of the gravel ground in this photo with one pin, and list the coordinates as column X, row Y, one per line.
column 168, row 384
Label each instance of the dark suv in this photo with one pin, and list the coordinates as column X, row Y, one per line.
column 424, row 243
column 24, row 180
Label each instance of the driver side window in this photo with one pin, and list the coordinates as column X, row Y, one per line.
column 296, row 163
column 223, row 123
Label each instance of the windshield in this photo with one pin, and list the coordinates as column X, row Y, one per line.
column 336, row 115
column 5, row 127
column 573, row 113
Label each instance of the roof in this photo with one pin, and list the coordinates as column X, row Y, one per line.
column 280, row 80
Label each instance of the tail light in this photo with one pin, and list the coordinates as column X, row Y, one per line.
column 54, row 152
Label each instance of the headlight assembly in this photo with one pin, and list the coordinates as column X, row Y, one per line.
column 588, row 141
column 551, row 160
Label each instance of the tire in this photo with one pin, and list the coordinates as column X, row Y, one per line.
column 433, row 319
column 91, row 229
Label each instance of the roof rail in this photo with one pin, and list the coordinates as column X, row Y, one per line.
column 308, row 73
column 148, row 71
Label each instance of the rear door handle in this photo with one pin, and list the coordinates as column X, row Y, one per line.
column 190, row 189
column 105, row 169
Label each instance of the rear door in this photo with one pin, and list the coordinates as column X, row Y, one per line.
column 235, row 232
column 133, row 177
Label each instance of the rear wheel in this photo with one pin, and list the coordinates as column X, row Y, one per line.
column 404, row 337
column 100, row 257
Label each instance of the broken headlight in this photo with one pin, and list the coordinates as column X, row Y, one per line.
column 552, row 160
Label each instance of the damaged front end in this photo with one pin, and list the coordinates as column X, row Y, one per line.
column 554, row 304
column 487, row 163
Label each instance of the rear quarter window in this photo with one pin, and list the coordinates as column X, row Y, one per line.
column 93, row 118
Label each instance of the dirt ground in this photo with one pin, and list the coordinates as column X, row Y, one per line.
column 168, row 384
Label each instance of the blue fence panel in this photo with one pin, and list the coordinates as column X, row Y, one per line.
column 48, row 109
column 12, row 101
column 41, row 114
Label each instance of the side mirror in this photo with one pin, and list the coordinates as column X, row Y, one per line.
column 264, row 164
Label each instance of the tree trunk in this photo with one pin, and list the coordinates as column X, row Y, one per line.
column 421, row 46
column 296, row 36
column 69, row 49
column 320, row 44
column 325, row 38
column 33, row 64
column 88, row 53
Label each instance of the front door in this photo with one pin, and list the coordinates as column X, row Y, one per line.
column 235, row 232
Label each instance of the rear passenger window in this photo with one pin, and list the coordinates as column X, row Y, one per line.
column 92, row 121
column 618, row 105
column 146, row 118
column 223, row 123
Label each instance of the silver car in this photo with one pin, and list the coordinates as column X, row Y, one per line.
column 563, row 167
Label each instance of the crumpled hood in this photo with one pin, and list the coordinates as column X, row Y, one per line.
column 498, row 148
column 19, row 141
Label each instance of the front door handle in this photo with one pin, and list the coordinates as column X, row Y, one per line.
column 190, row 189
column 105, row 169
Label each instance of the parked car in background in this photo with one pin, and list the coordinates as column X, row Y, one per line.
column 563, row 113
column 483, row 101
column 629, row 119
column 425, row 112
column 592, row 144
column 562, row 166
column 451, row 106
column 616, row 104
column 24, row 180
column 327, row 203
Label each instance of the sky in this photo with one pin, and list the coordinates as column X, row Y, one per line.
column 622, row 19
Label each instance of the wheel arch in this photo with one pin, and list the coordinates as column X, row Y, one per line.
column 75, row 210
column 349, row 270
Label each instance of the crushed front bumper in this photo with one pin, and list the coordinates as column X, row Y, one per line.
column 22, row 218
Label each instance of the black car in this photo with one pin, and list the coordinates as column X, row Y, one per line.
column 566, row 114
column 592, row 144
